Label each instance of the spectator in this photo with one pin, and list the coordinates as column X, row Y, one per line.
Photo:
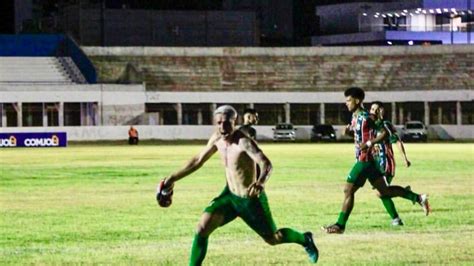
column 132, row 136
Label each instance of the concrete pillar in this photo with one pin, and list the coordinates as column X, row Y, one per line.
column 287, row 113
column 440, row 115
column 100, row 119
column 400, row 115
column 179, row 112
column 427, row 113
column 322, row 114
column 96, row 109
column 213, row 108
column 45, row 116
column 161, row 119
column 60, row 107
column 458, row 113
column 19, row 111
column 251, row 106
column 394, row 113
column 81, row 114
column 199, row 117
column 4, row 114
column 87, row 111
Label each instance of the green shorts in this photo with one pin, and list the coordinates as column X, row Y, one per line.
column 388, row 177
column 361, row 171
column 254, row 211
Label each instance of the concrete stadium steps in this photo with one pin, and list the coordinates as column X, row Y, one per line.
column 54, row 70
column 408, row 71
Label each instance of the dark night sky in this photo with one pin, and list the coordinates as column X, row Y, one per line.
column 46, row 7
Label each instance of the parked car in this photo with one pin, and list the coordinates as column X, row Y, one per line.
column 323, row 133
column 284, row 132
column 414, row 131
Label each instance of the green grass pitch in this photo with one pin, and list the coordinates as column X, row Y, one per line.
column 92, row 204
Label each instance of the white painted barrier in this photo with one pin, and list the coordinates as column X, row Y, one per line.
column 191, row 132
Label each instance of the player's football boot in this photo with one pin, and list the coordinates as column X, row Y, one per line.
column 164, row 195
column 333, row 229
column 423, row 200
column 310, row 247
column 397, row 222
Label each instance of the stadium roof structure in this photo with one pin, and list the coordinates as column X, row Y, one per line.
column 396, row 23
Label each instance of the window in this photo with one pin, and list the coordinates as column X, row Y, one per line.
column 166, row 113
column 443, row 113
column 304, row 114
column 72, row 114
column 270, row 114
column 32, row 114
column 337, row 114
column 197, row 114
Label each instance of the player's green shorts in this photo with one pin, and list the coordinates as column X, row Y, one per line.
column 388, row 177
column 361, row 171
column 254, row 211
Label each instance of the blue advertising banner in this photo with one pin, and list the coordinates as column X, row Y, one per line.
column 49, row 139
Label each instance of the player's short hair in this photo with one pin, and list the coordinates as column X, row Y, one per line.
column 355, row 92
column 226, row 110
column 379, row 103
column 250, row 111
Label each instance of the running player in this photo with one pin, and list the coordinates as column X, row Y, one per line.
column 250, row 119
column 365, row 167
column 384, row 156
column 243, row 196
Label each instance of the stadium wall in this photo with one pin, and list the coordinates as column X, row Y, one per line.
column 163, row 132
column 123, row 105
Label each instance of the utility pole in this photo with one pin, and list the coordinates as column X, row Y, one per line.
column 102, row 21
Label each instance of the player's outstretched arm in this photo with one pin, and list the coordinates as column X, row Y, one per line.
column 394, row 138
column 195, row 163
column 164, row 191
column 401, row 148
column 251, row 148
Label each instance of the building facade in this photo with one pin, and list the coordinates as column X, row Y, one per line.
column 409, row 22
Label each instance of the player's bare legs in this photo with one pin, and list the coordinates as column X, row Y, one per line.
column 347, row 206
column 288, row 235
column 397, row 191
column 349, row 197
column 208, row 223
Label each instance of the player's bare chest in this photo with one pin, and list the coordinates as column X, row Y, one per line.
column 229, row 152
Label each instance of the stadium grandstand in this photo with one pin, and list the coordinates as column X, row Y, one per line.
column 40, row 70
column 171, row 92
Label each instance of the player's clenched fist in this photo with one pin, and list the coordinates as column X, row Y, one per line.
column 164, row 194
column 255, row 189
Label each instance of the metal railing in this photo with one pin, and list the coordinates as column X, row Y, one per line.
column 466, row 27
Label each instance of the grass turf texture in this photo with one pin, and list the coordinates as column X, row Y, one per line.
column 95, row 205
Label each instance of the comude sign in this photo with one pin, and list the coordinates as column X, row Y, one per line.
column 50, row 139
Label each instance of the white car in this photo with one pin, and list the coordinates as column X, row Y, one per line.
column 284, row 132
column 414, row 131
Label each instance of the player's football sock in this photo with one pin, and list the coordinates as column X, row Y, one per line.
column 198, row 251
column 292, row 236
column 342, row 220
column 390, row 207
column 410, row 195
column 310, row 247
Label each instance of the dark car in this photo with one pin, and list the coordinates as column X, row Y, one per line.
column 323, row 133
